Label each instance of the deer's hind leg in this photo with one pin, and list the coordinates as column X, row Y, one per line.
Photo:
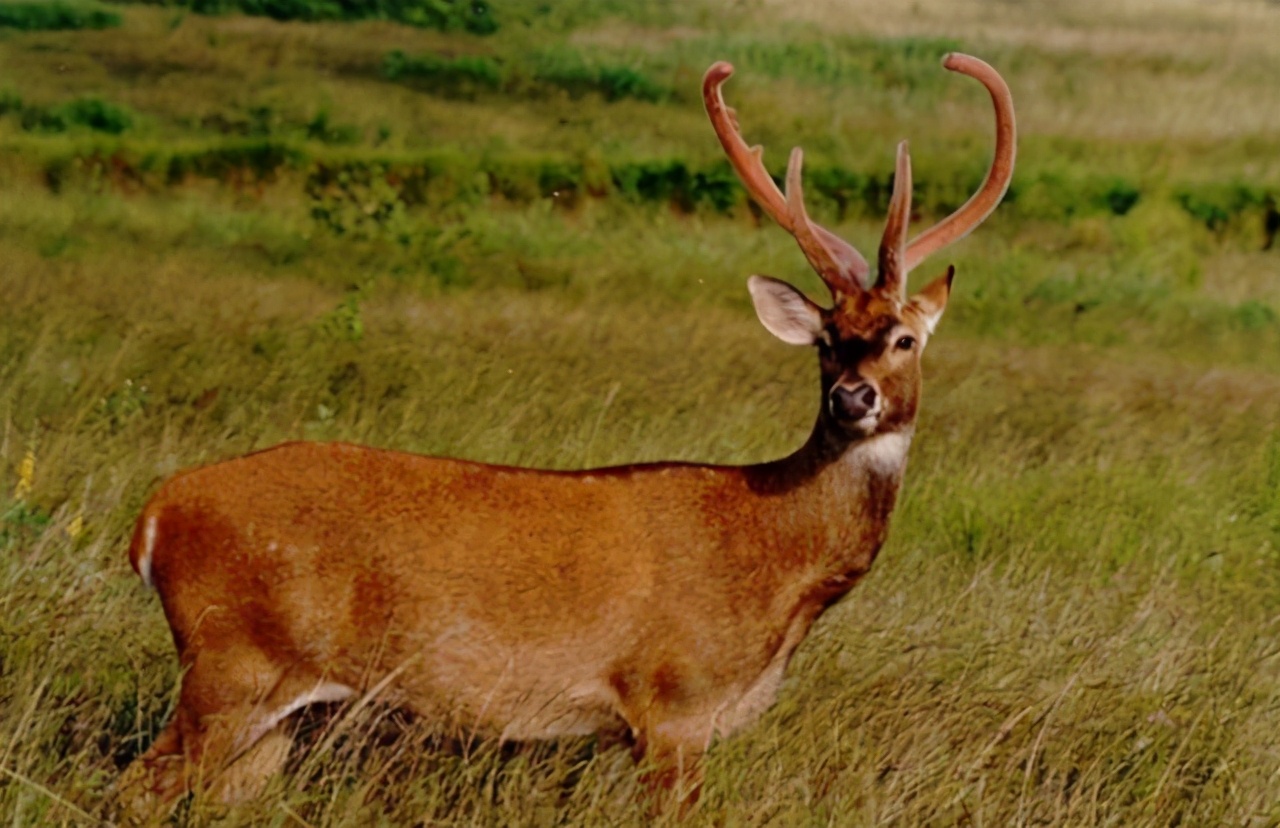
column 227, row 737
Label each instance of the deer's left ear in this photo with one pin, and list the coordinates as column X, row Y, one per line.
column 932, row 301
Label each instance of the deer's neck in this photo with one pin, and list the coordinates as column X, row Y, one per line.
column 834, row 496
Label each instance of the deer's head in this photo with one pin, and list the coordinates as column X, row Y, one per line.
column 871, row 338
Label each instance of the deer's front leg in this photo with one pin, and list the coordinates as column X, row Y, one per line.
column 670, row 754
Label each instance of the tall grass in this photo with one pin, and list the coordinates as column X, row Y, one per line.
column 1074, row 619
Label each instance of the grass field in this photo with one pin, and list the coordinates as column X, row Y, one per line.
column 221, row 232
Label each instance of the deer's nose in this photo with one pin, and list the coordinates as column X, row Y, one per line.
column 852, row 404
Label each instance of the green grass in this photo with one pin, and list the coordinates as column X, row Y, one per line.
column 1073, row 620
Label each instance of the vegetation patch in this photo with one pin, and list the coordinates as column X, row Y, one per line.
column 471, row 16
column 89, row 113
column 459, row 77
column 496, row 249
column 54, row 15
column 563, row 71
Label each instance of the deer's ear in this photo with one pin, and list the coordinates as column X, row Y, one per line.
column 932, row 301
column 785, row 312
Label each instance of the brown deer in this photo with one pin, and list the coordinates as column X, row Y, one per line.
column 662, row 601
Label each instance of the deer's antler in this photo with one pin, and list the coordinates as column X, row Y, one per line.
column 893, row 244
column 979, row 206
column 841, row 267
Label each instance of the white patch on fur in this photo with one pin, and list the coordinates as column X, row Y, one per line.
column 931, row 321
column 580, row 709
column 323, row 692
column 148, row 547
column 884, row 453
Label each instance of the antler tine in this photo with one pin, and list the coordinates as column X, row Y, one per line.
column 893, row 244
column 841, row 267
column 847, row 271
column 979, row 206
column 748, row 162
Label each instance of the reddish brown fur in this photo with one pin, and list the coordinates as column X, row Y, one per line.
column 665, row 599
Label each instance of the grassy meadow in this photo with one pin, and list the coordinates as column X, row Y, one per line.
column 514, row 240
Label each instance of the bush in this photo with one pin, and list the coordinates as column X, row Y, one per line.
column 236, row 163
column 359, row 200
column 457, row 77
column 578, row 77
column 474, row 16
column 567, row 71
column 1120, row 197
column 1216, row 205
column 675, row 183
column 96, row 114
column 91, row 113
column 56, row 15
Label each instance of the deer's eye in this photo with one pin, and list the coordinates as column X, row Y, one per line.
column 905, row 343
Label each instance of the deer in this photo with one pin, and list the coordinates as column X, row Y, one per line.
column 660, row 601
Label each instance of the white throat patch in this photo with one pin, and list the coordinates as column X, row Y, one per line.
column 884, row 453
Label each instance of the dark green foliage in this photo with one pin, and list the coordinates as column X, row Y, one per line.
column 10, row 102
column 1252, row 315
column 473, row 16
column 319, row 128
column 1121, row 197
column 264, row 121
column 675, row 183
column 566, row 71
column 567, row 15
column 569, row 71
column 96, row 114
column 1216, row 205
column 1209, row 213
column 363, row 201
column 31, row 16
column 89, row 113
column 236, row 163
column 847, row 189
column 452, row 77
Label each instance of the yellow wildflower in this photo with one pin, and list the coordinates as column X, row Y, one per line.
column 26, row 476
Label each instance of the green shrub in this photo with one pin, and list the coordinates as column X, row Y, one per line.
column 10, row 102
column 456, row 77
column 96, row 114
column 570, row 72
column 474, row 16
column 1252, row 315
column 90, row 113
column 319, row 128
column 29, row 16
column 673, row 182
column 357, row 200
column 234, row 163
column 841, row 186
column 1216, row 205
column 1120, row 197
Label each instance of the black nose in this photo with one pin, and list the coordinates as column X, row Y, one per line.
column 852, row 404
